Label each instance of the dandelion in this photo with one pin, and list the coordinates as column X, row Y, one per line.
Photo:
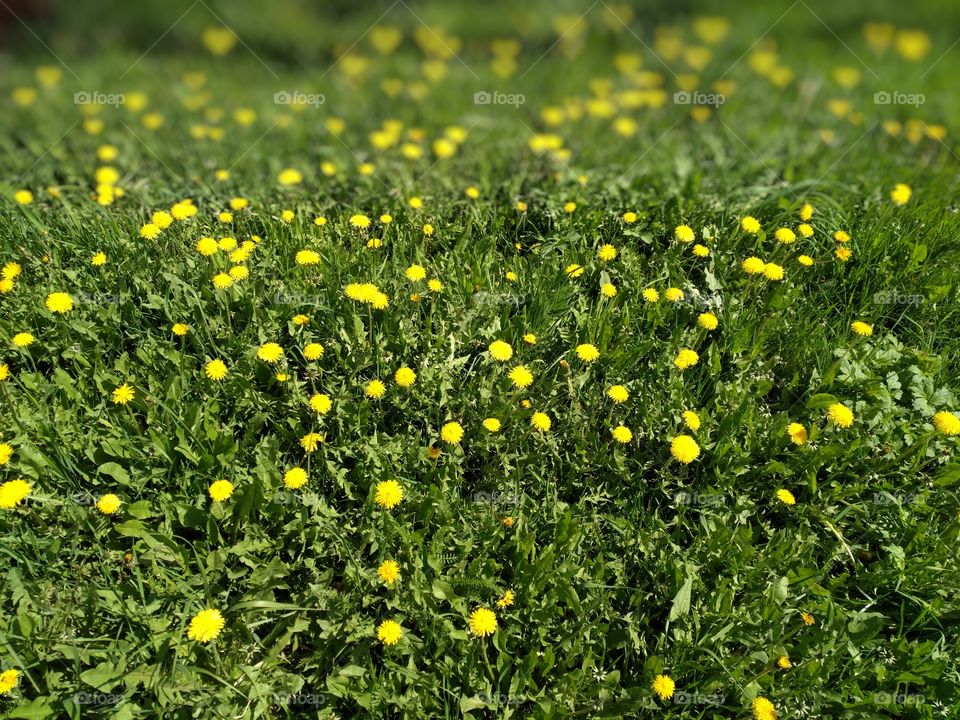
column 491, row 425
column 840, row 415
column 389, row 572
column 785, row 236
column 59, row 302
column 6, row 452
column 786, row 497
column 569, row 207
column 841, row 236
column 684, row 449
column 311, row 441
column 307, row 257
column 289, row 176
column 295, row 478
column 750, row 225
column 123, row 394
column 435, row 285
column 99, row 259
column 691, row 420
column 606, row 253
column 708, row 321
column 807, row 618
column 521, row 377
column 663, row 686
column 23, row 197
column 483, row 622
column 300, row 320
column 843, row 254
column 900, row 195
column 270, row 352
column 861, row 328
column 763, row 709
column 573, row 270
column 23, row 339
column 361, row 222
column 451, row 433
column 320, row 403
column 805, row 230
column 772, row 271
column 622, row 434
column 207, row 246
column 629, row 217
column 674, row 294
column 805, row 260
column 685, row 359
column 507, row 599
column 8, row 680
column 541, row 421
column 389, row 632
column 221, row 281
column 511, row 276
column 500, row 351
column 179, row 329
column 587, row 352
column 313, row 351
column 375, row 389
column 797, row 433
column 13, row 492
column 220, row 490
column 701, row 250
column 405, row 377
column 149, row 231
column 388, row 494
column 530, row 338
column 684, row 233
column 206, row 625
column 109, row 504
column 608, row 290
column 216, row 370
column 618, row 393
column 753, row 265
column 651, row 295
column 10, row 271
column 415, row 273
column 783, row 662
column 946, row 423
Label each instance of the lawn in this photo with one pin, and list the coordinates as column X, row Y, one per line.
column 420, row 360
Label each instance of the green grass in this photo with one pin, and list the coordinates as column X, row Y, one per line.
column 626, row 564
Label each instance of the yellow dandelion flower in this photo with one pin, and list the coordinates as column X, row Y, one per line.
column 13, row 492
column 684, row 449
column 389, row 572
column 840, row 415
column 587, row 352
column 206, row 625
column 123, row 394
column 389, row 494
column 389, row 632
column 483, row 622
column 295, row 478
column 220, row 490
column 663, row 687
column 270, row 352
column 500, row 351
column 521, row 377
column 797, row 433
column 451, row 433
column 59, row 302
column 375, row 389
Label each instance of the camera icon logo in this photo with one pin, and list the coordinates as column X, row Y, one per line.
column 482, row 97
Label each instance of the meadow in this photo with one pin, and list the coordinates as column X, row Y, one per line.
column 493, row 361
